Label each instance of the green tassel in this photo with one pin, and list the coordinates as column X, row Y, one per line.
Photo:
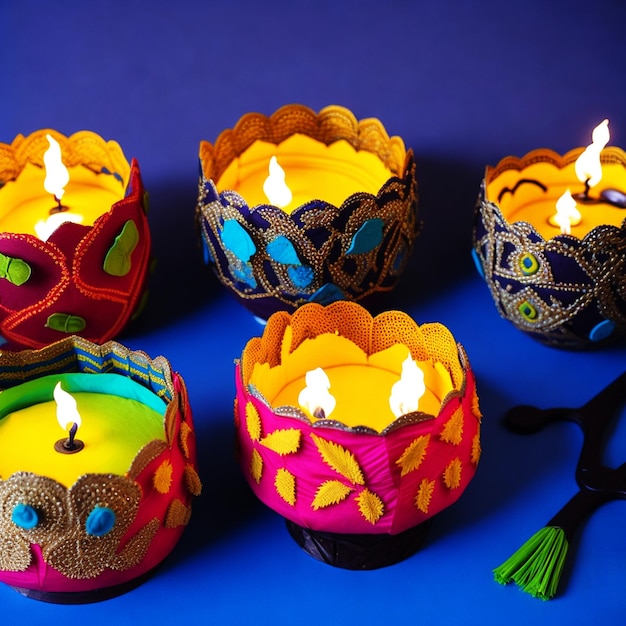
column 537, row 566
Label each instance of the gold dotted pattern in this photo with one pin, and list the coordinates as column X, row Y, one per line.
column 80, row 555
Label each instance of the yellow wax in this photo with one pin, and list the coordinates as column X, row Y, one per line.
column 529, row 203
column 113, row 430
column 313, row 171
column 362, row 394
column 24, row 201
column 360, row 383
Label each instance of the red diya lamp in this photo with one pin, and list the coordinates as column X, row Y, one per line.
column 306, row 207
column 74, row 238
column 550, row 241
column 356, row 429
column 89, row 515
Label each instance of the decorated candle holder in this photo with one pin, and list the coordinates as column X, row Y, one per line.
column 337, row 223
column 356, row 429
column 566, row 289
column 74, row 238
column 89, row 515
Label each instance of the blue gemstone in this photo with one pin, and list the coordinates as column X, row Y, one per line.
column 25, row 516
column 100, row 521
column 602, row 330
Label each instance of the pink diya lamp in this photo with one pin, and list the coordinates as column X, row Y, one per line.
column 89, row 515
column 356, row 429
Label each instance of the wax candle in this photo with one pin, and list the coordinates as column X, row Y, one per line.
column 361, row 384
column 118, row 418
column 308, row 168
column 27, row 207
column 306, row 207
column 531, row 193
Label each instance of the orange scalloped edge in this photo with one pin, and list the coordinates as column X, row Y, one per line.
column 352, row 321
column 82, row 148
column 612, row 154
column 331, row 124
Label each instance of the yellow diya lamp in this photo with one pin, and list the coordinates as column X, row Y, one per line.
column 97, row 469
column 356, row 429
column 74, row 238
column 306, row 207
column 549, row 240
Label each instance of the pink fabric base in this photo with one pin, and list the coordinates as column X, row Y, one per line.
column 376, row 456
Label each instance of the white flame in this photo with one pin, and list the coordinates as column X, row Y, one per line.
column 315, row 395
column 57, row 175
column 406, row 392
column 275, row 187
column 588, row 167
column 566, row 213
column 67, row 411
column 44, row 228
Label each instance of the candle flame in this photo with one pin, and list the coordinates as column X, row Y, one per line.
column 567, row 215
column 67, row 411
column 57, row 175
column 315, row 397
column 588, row 167
column 275, row 187
column 45, row 228
column 406, row 392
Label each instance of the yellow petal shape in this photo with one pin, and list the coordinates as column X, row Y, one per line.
column 256, row 466
column 370, row 505
column 253, row 422
column 453, row 429
column 452, row 474
column 424, row 494
column 285, row 484
column 339, row 459
column 414, row 454
column 283, row 441
column 330, row 492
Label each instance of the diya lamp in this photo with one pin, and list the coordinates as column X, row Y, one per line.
column 356, row 429
column 88, row 515
column 306, row 207
column 550, row 241
column 74, row 238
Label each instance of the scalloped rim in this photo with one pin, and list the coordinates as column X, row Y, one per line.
column 331, row 124
column 81, row 148
column 404, row 420
column 611, row 154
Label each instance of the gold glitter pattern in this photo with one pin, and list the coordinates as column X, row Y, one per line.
column 576, row 295
column 81, row 555
column 320, row 233
column 48, row 498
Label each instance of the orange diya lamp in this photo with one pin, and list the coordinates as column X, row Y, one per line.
column 74, row 238
column 89, row 515
column 550, row 241
column 306, row 207
column 356, row 429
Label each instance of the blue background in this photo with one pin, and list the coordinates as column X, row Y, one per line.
column 464, row 84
